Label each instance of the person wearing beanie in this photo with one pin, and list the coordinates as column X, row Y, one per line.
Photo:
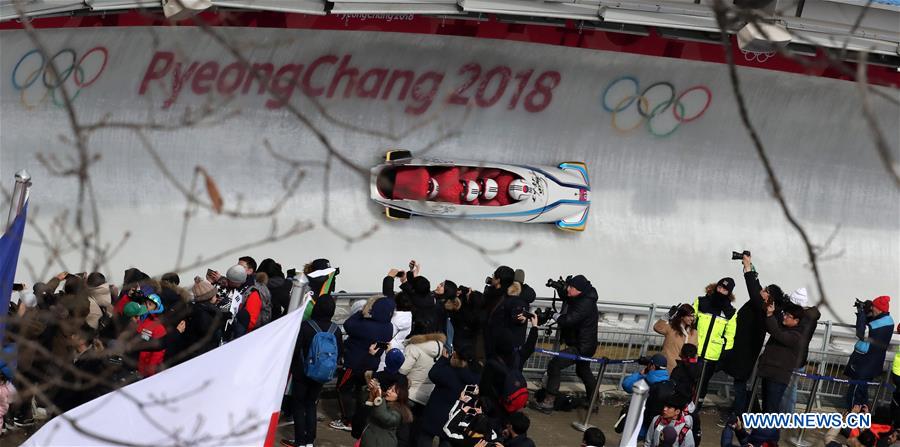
column 450, row 374
column 205, row 331
column 782, row 351
column 808, row 324
column 716, row 322
column 867, row 360
column 686, row 372
column 740, row 361
column 577, row 323
column 305, row 391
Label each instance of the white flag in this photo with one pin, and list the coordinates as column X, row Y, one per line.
column 230, row 396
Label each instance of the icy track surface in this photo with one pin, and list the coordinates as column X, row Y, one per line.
column 676, row 184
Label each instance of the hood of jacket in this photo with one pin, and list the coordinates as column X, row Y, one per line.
column 379, row 308
column 656, row 376
column 324, row 308
column 101, row 294
column 426, row 339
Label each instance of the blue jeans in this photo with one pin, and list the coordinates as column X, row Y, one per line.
column 741, row 395
column 772, row 394
column 789, row 401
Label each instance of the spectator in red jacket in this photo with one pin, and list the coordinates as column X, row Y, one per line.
column 152, row 332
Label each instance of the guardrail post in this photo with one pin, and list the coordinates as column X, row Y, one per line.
column 798, row 440
column 647, row 328
column 587, row 419
column 635, row 408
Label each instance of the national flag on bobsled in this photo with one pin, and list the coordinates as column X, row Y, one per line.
column 10, row 244
column 230, row 396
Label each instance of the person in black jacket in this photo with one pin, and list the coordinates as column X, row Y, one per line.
column 278, row 285
column 450, row 375
column 808, row 325
column 464, row 312
column 207, row 321
column 504, row 310
column 88, row 378
column 305, row 391
column 686, row 372
column 516, row 432
column 781, row 353
column 578, row 325
column 748, row 341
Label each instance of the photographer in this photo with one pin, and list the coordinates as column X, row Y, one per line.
column 716, row 327
column 748, row 342
column 782, row 351
column 867, row 360
column 578, row 326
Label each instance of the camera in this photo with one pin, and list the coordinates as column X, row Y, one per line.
column 737, row 256
column 544, row 315
column 866, row 305
column 401, row 274
column 488, row 281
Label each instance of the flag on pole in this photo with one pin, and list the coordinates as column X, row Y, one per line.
column 10, row 244
column 230, row 396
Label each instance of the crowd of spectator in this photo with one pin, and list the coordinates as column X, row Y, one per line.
column 428, row 363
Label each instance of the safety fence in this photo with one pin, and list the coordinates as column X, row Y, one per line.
column 625, row 331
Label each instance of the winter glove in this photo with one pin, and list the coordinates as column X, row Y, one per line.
column 672, row 311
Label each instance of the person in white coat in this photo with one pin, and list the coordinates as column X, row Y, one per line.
column 402, row 322
column 419, row 356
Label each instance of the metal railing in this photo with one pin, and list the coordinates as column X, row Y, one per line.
column 625, row 331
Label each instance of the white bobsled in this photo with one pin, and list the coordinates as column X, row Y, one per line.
column 436, row 187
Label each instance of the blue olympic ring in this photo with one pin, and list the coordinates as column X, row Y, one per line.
column 53, row 81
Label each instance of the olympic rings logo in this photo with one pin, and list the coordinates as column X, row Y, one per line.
column 652, row 105
column 32, row 74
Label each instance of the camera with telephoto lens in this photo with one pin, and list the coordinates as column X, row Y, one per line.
column 866, row 305
column 737, row 256
column 544, row 315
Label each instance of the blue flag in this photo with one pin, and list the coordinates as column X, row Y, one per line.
column 10, row 244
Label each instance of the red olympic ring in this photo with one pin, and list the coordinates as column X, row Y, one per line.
column 698, row 114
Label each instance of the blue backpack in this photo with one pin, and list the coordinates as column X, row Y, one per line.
column 321, row 360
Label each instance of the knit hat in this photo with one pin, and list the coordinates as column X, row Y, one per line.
column 727, row 283
column 202, row 290
column 668, row 436
column 580, row 283
column 134, row 310
column 236, row 273
column 882, row 303
column 421, row 285
column 393, row 360
column 799, row 297
column 519, row 276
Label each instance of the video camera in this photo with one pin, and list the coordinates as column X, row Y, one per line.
column 559, row 285
column 865, row 306
column 737, row 256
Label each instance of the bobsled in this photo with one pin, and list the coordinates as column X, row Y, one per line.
column 437, row 187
